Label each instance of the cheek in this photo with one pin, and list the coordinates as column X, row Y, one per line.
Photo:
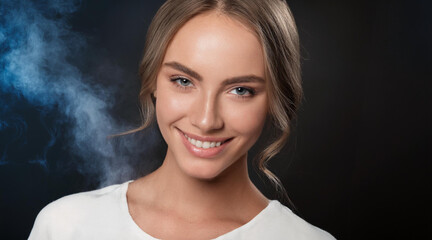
column 247, row 119
column 170, row 105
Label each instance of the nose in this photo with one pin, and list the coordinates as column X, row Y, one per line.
column 206, row 114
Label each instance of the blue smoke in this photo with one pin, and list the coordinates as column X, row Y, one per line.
column 40, row 82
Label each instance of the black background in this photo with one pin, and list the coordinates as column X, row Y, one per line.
column 358, row 163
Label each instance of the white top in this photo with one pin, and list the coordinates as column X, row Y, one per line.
column 104, row 214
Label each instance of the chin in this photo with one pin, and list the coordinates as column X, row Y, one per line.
column 203, row 171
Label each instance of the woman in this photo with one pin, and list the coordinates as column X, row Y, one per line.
column 213, row 72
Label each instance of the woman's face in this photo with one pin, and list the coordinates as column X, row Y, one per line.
column 211, row 99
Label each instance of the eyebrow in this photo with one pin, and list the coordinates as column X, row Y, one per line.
column 184, row 69
column 233, row 80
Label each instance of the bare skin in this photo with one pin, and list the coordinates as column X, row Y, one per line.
column 191, row 209
column 193, row 196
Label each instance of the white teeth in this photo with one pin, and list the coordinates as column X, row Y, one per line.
column 206, row 145
column 200, row 144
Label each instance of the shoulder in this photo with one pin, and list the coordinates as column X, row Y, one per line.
column 277, row 222
column 76, row 210
column 81, row 203
column 291, row 224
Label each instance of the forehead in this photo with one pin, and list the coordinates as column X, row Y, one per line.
column 218, row 46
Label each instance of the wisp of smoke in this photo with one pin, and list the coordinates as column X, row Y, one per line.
column 36, row 45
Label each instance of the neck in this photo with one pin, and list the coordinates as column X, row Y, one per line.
column 173, row 189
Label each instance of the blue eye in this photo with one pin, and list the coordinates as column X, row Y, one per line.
column 182, row 81
column 242, row 91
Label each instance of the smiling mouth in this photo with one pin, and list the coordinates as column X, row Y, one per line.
column 204, row 147
column 205, row 144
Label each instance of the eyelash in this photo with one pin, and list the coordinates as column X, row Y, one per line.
column 250, row 94
column 176, row 81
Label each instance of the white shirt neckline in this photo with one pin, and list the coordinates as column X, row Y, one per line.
column 140, row 232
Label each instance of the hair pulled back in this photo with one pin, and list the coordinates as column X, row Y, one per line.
column 273, row 24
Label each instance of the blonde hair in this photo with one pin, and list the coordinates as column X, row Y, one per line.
column 274, row 25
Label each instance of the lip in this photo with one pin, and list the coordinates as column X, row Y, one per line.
column 201, row 152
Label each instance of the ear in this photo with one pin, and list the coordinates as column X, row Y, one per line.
column 154, row 93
